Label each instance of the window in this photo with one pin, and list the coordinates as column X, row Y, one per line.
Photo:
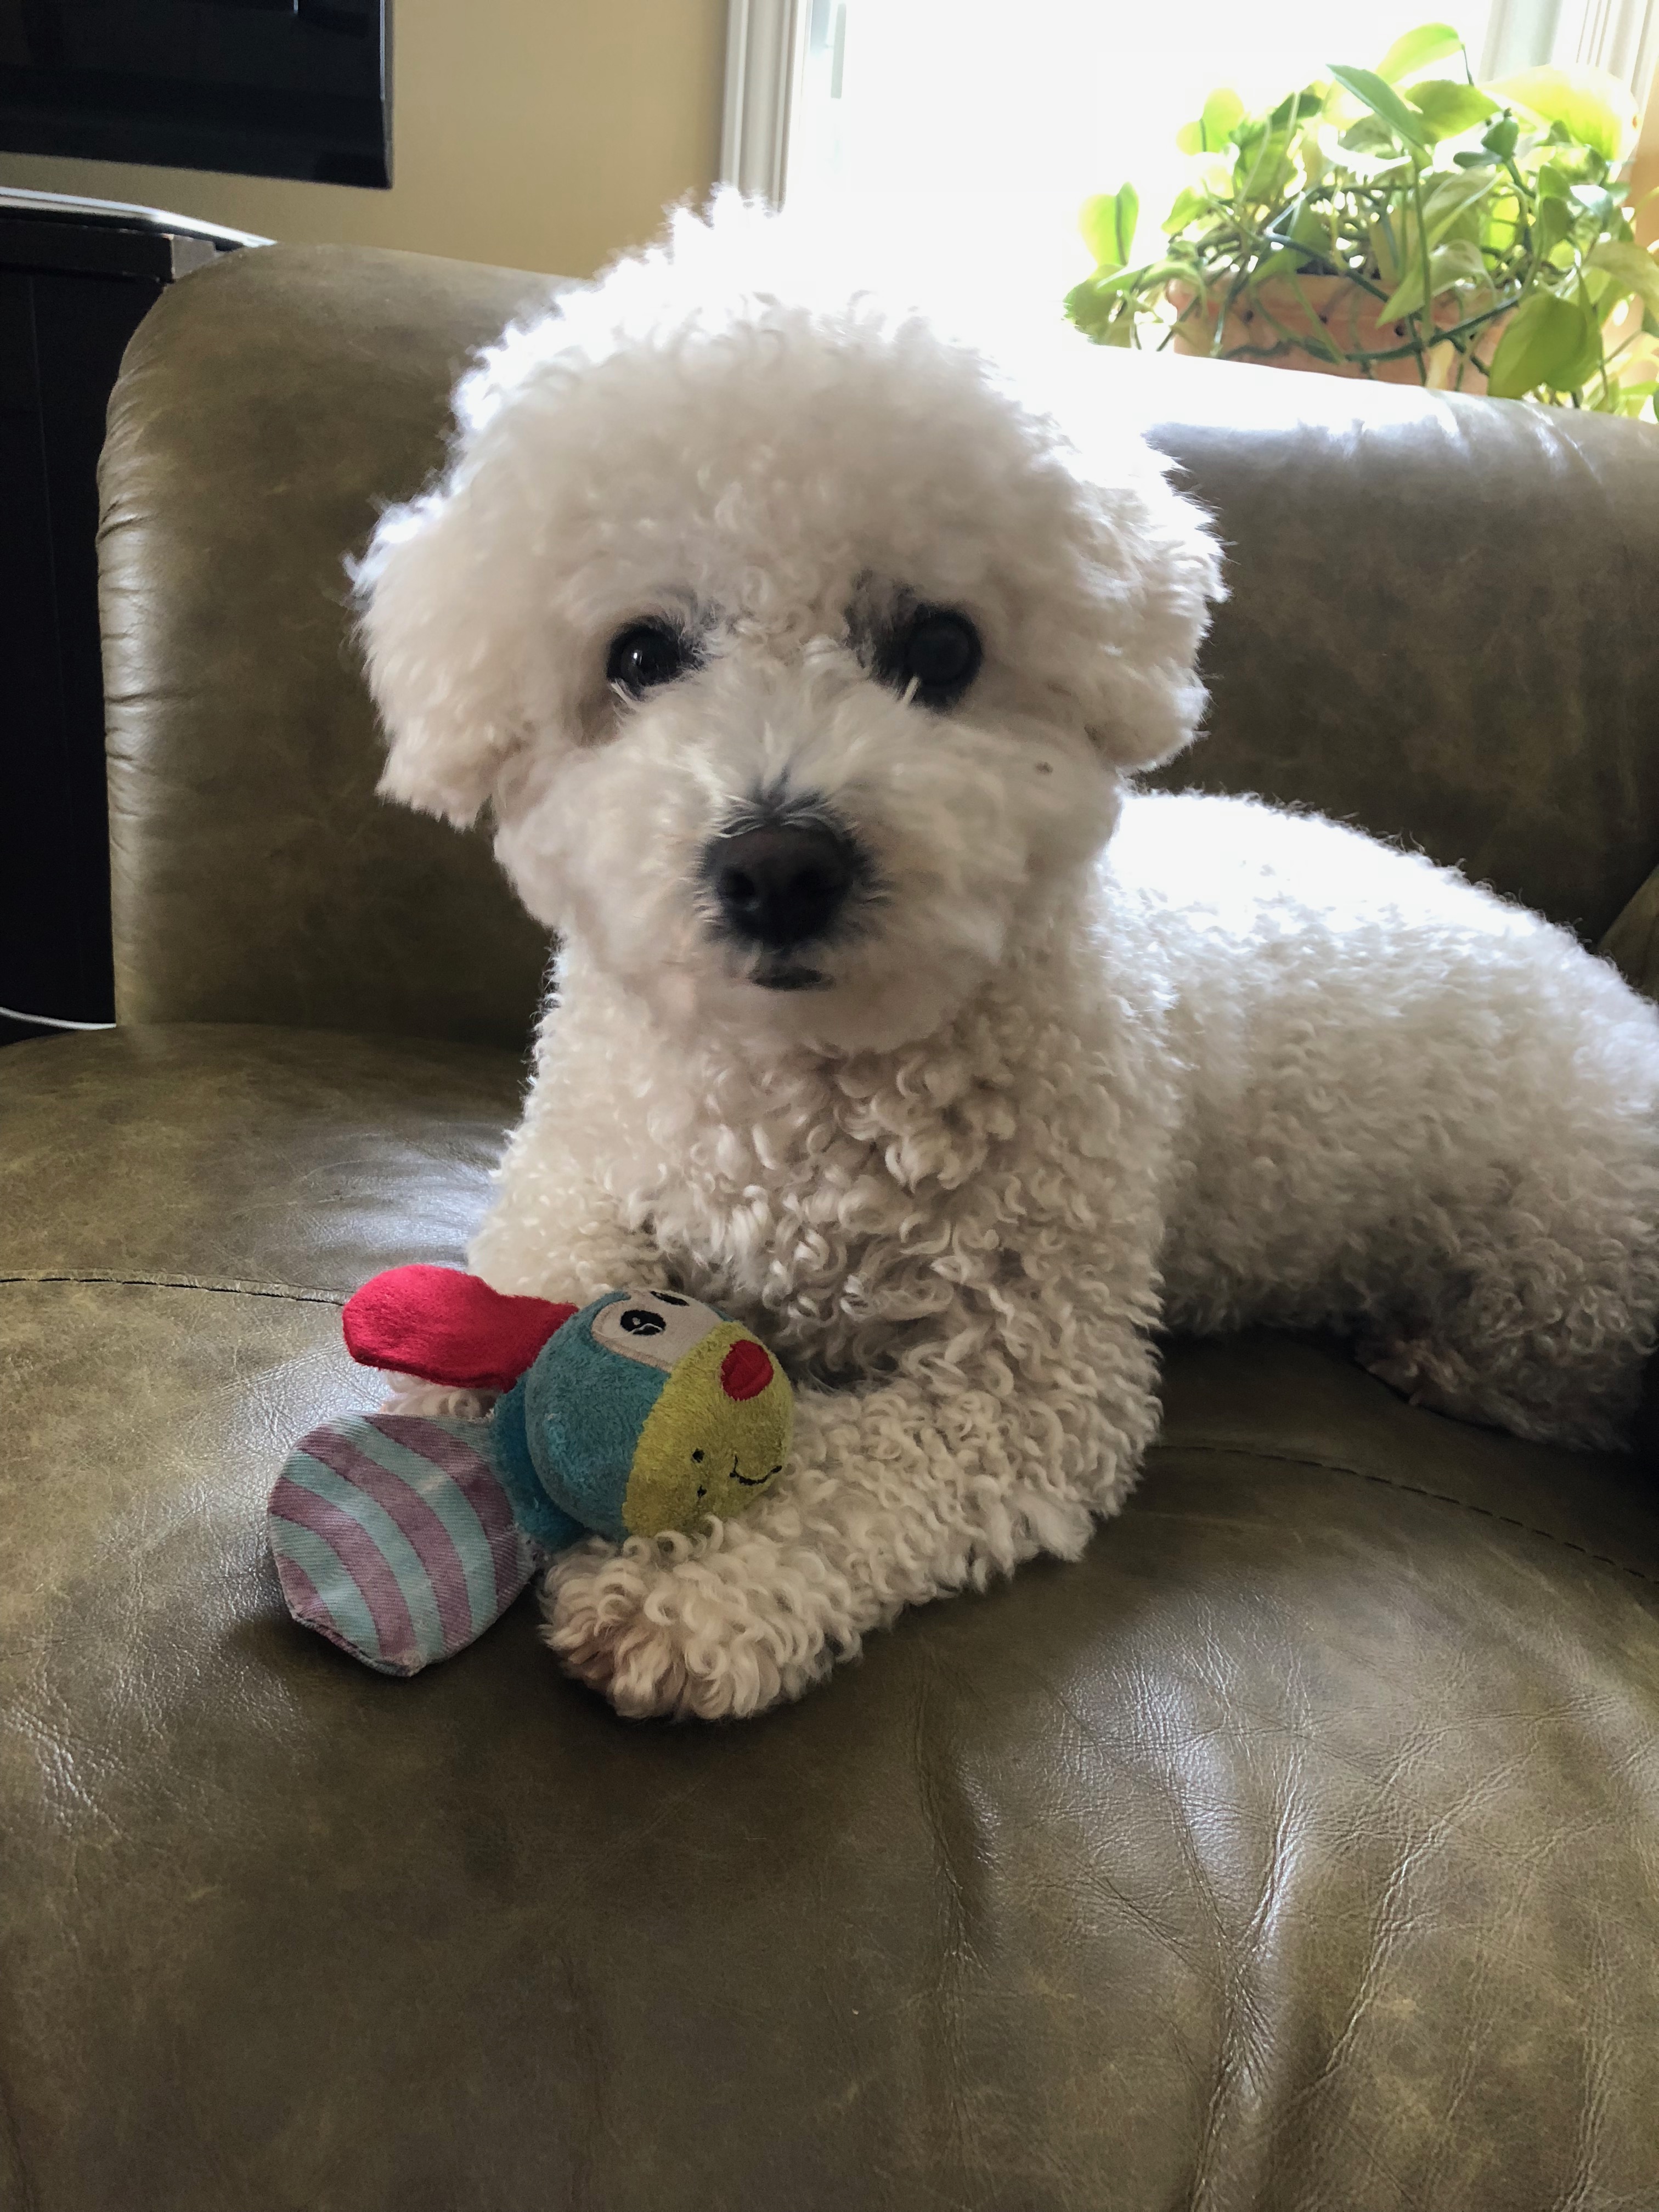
column 974, row 128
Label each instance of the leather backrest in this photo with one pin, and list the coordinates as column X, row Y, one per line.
column 1441, row 627
column 267, row 408
column 1442, row 623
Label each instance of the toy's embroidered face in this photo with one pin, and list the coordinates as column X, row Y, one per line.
column 717, row 1437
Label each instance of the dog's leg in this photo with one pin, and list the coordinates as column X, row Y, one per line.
column 896, row 1494
column 554, row 1230
column 413, row 1394
column 565, row 1220
column 571, row 1255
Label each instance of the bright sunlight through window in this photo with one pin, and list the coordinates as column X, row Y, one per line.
column 976, row 130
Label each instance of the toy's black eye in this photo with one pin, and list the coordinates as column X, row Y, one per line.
column 640, row 1321
column 648, row 653
column 937, row 652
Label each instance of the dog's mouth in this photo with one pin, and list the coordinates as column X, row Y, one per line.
column 777, row 973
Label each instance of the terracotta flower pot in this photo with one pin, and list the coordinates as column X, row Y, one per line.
column 1262, row 320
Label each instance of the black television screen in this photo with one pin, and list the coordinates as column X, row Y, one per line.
column 267, row 87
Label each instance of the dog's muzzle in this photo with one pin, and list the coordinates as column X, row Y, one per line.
column 782, row 885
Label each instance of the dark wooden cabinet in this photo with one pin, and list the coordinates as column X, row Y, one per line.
column 76, row 279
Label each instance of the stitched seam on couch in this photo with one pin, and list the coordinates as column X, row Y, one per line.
column 292, row 1291
column 1415, row 1490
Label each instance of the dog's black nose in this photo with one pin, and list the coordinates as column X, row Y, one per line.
column 781, row 885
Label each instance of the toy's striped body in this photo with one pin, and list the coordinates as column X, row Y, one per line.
column 394, row 1538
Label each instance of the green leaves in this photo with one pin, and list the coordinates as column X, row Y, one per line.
column 1450, row 224
column 1553, row 221
column 1415, row 50
column 1592, row 108
column 1450, row 195
column 1223, row 113
column 1298, row 107
column 1370, row 135
column 1449, row 110
column 1108, row 223
column 1110, row 283
column 1444, row 108
column 1520, row 237
column 1310, row 228
column 1286, row 262
column 1104, row 306
column 1102, row 312
column 1503, row 137
column 1190, row 205
column 1383, row 100
column 1552, row 341
column 1458, row 262
column 1632, row 268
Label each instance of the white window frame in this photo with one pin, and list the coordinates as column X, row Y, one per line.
column 1621, row 36
column 765, row 49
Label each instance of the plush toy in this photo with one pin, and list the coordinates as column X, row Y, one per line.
column 401, row 1536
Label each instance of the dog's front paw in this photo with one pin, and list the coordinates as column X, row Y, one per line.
column 409, row 1393
column 709, row 1628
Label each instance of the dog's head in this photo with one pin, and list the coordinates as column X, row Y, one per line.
column 798, row 659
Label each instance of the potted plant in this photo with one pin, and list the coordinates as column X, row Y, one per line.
column 1403, row 225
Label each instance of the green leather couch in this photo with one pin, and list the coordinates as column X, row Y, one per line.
column 1298, row 1849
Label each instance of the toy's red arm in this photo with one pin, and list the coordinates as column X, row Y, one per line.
column 446, row 1327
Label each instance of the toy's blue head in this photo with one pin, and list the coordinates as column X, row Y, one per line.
column 650, row 1411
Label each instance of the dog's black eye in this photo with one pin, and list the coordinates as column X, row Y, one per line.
column 648, row 653
column 937, row 651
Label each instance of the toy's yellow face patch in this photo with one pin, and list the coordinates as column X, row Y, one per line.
column 702, row 1449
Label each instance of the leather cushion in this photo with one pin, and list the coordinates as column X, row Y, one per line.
column 1294, row 1849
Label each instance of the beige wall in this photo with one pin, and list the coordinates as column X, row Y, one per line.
column 542, row 134
column 1645, row 172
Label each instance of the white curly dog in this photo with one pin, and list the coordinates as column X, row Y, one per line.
column 803, row 663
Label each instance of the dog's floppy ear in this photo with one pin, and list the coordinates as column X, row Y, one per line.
column 1151, row 569
column 435, row 665
column 1148, row 698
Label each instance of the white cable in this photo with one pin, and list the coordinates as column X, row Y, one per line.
column 51, row 1021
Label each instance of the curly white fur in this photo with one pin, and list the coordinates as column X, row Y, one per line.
column 1088, row 1063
